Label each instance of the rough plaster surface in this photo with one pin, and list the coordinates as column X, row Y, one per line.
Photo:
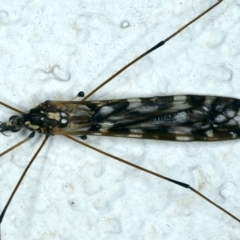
column 52, row 50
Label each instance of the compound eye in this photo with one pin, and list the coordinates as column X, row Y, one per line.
column 15, row 124
column 13, row 118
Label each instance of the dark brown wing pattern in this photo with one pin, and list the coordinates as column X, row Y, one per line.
column 178, row 118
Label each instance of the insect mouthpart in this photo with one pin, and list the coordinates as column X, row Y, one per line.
column 14, row 124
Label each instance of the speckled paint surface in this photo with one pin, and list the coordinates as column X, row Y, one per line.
column 52, row 50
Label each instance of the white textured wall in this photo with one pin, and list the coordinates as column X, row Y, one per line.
column 52, row 51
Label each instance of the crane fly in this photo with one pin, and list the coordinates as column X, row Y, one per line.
column 99, row 205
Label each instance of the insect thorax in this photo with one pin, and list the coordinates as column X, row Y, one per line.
column 44, row 118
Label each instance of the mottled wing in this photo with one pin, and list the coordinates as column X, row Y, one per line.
column 179, row 118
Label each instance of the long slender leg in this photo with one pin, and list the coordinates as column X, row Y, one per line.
column 161, row 43
column 20, row 180
column 185, row 185
column 12, row 108
column 18, row 144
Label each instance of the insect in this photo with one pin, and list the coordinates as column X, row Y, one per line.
column 109, row 224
